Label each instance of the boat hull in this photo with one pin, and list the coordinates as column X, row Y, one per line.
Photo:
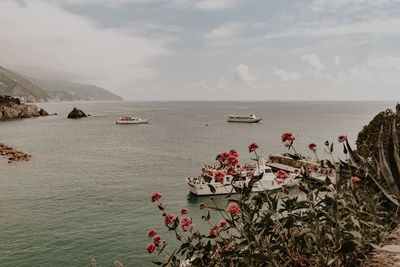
column 244, row 120
column 204, row 189
column 132, row 122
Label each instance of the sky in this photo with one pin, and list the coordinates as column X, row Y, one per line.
column 209, row 49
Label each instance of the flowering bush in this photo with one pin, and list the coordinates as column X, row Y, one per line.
column 332, row 225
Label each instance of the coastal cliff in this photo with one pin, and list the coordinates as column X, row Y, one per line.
column 14, row 108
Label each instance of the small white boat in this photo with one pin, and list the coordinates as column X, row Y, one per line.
column 200, row 187
column 131, row 120
column 247, row 119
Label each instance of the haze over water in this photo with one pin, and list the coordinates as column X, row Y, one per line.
column 85, row 192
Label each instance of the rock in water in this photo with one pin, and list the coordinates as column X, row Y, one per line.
column 76, row 114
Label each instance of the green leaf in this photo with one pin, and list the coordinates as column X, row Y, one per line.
column 348, row 246
column 157, row 262
column 331, row 148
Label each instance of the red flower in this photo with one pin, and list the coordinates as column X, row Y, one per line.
column 230, row 171
column 232, row 160
column 150, row 247
column 202, row 205
column 186, row 224
column 151, row 233
column 233, row 209
column 252, row 147
column 155, row 196
column 312, row 147
column 249, row 174
column 157, row 239
column 234, row 153
column 219, row 177
column 287, row 136
column 342, row 138
column 354, row 180
column 281, row 174
column 184, row 211
column 217, row 253
column 222, row 224
column 168, row 219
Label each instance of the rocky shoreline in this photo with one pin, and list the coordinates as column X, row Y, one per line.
column 13, row 154
column 14, row 108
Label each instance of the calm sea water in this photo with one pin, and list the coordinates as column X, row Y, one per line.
column 85, row 193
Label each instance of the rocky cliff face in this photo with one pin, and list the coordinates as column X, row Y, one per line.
column 18, row 86
column 13, row 108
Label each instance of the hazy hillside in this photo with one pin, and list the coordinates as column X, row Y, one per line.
column 75, row 90
column 16, row 85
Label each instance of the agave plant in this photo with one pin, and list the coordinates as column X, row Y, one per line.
column 384, row 171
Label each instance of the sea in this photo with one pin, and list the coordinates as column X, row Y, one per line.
column 85, row 193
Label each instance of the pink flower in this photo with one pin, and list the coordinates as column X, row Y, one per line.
column 312, row 147
column 232, row 160
column 155, row 196
column 252, row 147
column 184, row 211
column 354, row 180
column 230, row 171
column 219, row 177
column 222, row 224
column 186, row 224
column 287, row 136
column 150, row 247
column 217, row 253
column 233, row 209
column 168, row 219
column 249, row 174
column 234, row 153
column 157, row 239
column 281, row 174
column 342, row 138
column 202, row 205
column 151, row 233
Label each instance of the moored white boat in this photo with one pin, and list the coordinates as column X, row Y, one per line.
column 242, row 118
column 269, row 181
column 131, row 120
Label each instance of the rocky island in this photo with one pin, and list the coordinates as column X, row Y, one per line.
column 76, row 114
column 15, row 108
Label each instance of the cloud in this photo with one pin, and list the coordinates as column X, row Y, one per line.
column 39, row 33
column 336, row 60
column 243, row 74
column 328, row 28
column 215, row 4
column 207, row 5
column 314, row 61
column 287, row 76
column 381, row 69
column 322, row 5
column 224, row 31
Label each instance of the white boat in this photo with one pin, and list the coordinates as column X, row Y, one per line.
column 200, row 187
column 240, row 118
column 131, row 120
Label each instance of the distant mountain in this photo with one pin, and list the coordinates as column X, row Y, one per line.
column 40, row 90
column 70, row 91
column 15, row 85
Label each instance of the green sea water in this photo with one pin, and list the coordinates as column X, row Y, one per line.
column 85, row 192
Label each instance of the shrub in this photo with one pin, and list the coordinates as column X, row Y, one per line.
column 331, row 225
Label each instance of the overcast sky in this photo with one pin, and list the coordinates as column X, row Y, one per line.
column 210, row 49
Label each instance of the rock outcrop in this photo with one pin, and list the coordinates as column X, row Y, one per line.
column 76, row 114
column 13, row 154
column 14, row 108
